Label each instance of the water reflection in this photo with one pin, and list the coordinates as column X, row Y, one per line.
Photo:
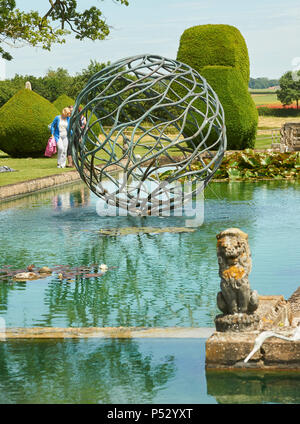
column 253, row 387
column 112, row 371
column 133, row 293
column 156, row 280
column 46, row 197
column 71, row 199
column 131, row 371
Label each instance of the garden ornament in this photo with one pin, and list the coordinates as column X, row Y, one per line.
column 147, row 116
column 235, row 264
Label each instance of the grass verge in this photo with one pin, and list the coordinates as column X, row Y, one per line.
column 28, row 169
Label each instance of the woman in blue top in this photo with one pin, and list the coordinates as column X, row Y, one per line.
column 59, row 130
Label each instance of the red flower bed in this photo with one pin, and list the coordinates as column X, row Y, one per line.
column 278, row 106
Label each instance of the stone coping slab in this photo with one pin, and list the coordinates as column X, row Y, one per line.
column 31, row 186
column 104, row 332
column 228, row 350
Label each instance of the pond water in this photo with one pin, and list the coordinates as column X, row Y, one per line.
column 156, row 280
column 130, row 371
column 159, row 280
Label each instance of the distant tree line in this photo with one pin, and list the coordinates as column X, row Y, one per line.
column 262, row 82
column 58, row 82
column 52, row 85
column 289, row 89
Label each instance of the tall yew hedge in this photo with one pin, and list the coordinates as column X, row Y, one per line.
column 219, row 53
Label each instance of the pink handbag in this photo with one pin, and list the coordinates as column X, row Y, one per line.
column 51, row 147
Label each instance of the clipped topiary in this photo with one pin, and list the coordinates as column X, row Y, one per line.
column 219, row 53
column 221, row 45
column 24, row 121
column 63, row 101
column 240, row 115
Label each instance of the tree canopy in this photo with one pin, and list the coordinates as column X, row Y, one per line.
column 62, row 18
column 289, row 89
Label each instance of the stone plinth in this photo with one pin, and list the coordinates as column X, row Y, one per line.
column 237, row 323
column 228, row 350
column 290, row 136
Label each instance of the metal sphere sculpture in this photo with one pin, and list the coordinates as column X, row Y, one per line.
column 153, row 121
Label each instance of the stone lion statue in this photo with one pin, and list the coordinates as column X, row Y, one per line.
column 234, row 259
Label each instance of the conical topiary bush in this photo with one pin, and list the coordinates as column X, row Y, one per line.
column 24, row 121
column 63, row 101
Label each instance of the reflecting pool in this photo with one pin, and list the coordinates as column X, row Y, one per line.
column 157, row 280
column 129, row 371
column 154, row 280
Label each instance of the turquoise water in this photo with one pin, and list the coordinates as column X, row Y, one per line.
column 155, row 280
column 103, row 371
column 130, row 371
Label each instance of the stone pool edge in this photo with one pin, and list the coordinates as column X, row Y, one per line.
column 104, row 332
column 11, row 191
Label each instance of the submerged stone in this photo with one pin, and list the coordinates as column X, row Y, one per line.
column 144, row 230
column 45, row 270
column 24, row 276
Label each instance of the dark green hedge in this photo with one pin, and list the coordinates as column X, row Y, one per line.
column 24, row 121
column 241, row 116
column 267, row 111
column 63, row 101
column 219, row 53
column 209, row 45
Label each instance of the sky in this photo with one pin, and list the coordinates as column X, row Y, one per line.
column 271, row 29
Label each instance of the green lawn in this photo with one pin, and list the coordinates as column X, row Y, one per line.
column 261, row 90
column 264, row 99
column 28, row 169
column 263, row 142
